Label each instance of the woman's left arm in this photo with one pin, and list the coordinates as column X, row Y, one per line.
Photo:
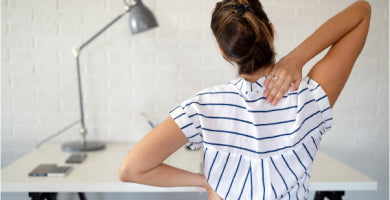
column 143, row 164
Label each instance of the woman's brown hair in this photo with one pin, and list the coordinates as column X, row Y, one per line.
column 245, row 36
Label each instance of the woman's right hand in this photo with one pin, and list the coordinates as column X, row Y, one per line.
column 289, row 75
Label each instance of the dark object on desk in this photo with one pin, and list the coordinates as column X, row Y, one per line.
column 76, row 158
column 42, row 170
column 60, row 171
column 331, row 195
column 50, row 196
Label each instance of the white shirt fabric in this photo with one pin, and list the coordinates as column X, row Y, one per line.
column 253, row 150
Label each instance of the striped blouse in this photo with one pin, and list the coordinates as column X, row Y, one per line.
column 253, row 150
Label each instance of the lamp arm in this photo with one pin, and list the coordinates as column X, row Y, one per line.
column 76, row 51
column 76, row 54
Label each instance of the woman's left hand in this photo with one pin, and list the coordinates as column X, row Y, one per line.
column 285, row 74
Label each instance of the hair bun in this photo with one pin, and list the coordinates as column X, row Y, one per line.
column 245, row 38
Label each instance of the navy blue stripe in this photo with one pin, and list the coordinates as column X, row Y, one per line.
column 321, row 98
column 259, row 84
column 198, row 127
column 240, row 120
column 216, row 93
column 249, row 101
column 304, row 188
column 297, row 191
column 299, row 160
column 263, row 138
column 264, row 152
column 298, row 93
column 264, row 111
column 251, row 88
column 262, row 176
column 279, row 173
column 307, row 151
column 305, row 104
column 289, row 168
column 212, row 164
column 239, row 197
column 242, row 83
column 238, row 81
column 238, row 106
column 174, row 109
column 192, row 115
column 328, row 119
column 193, row 136
column 326, row 109
column 235, row 173
column 215, row 104
column 204, row 156
column 274, row 190
column 315, row 87
column 220, row 177
column 186, row 126
column 301, row 91
column 308, row 80
column 314, row 142
column 250, row 169
column 178, row 116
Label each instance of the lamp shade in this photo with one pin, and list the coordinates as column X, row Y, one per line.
column 141, row 18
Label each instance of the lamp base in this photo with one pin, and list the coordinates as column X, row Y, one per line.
column 79, row 146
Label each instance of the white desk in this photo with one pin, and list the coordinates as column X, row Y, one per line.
column 99, row 172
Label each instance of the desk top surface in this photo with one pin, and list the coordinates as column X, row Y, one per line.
column 99, row 172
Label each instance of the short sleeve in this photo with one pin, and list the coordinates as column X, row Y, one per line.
column 186, row 117
column 322, row 100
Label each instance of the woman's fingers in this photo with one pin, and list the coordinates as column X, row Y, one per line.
column 295, row 85
column 283, row 89
column 289, row 75
column 274, row 87
column 270, row 86
column 277, row 87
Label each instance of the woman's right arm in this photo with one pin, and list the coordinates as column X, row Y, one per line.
column 346, row 33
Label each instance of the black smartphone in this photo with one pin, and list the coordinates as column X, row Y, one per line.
column 42, row 170
column 60, row 171
column 76, row 158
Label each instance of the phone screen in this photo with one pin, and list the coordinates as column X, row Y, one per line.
column 42, row 170
column 76, row 158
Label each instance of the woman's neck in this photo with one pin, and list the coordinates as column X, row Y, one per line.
column 256, row 75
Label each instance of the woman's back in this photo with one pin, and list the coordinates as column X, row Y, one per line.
column 252, row 149
column 250, row 144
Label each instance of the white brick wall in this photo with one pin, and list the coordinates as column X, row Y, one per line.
column 152, row 72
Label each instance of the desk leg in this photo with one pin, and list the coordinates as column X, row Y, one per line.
column 82, row 196
column 332, row 195
column 42, row 196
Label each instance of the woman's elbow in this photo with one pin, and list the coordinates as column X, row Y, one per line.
column 366, row 8
column 127, row 174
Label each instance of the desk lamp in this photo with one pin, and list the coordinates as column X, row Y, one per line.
column 140, row 19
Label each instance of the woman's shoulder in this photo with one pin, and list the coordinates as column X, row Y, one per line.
column 221, row 90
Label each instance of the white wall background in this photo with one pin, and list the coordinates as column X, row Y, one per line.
column 152, row 72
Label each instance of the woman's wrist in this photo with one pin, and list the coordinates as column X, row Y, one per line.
column 296, row 58
column 202, row 181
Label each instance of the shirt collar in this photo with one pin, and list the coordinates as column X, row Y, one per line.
column 249, row 88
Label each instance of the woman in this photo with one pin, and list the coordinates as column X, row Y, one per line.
column 259, row 139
